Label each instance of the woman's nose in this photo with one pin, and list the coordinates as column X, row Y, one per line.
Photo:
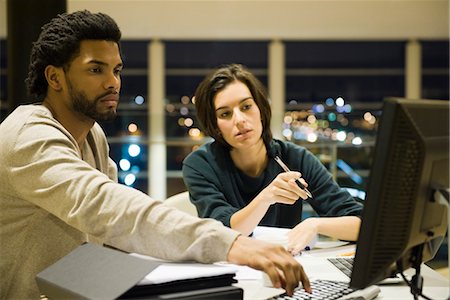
column 239, row 118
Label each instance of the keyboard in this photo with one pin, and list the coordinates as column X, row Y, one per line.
column 331, row 290
column 345, row 264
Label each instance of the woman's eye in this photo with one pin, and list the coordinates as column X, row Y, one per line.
column 246, row 107
column 96, row 70
column 224, row 114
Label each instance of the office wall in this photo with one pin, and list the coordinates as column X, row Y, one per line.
column 298, row 19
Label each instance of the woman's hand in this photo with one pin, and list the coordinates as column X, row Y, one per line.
column 284, row 189
column 342, row 228
column 302, row 234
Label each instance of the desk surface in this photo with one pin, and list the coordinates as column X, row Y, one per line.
column 436, row 286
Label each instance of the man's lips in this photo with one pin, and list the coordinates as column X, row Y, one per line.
column 110, row 97
column 110, row 100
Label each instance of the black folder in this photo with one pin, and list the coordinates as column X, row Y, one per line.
column 95, row 272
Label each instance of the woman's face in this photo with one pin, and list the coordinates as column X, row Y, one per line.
column 238, row 116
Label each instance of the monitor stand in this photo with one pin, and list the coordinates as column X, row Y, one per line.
column 417, row 280
column 416, row 283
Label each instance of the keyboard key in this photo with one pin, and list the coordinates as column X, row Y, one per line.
column 322, row 290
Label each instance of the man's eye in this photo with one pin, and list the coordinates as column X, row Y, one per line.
column 118, row 71
column 96, row 70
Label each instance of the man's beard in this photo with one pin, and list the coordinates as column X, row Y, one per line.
column 88, row 108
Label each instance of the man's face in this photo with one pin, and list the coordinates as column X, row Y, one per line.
column 93, row 80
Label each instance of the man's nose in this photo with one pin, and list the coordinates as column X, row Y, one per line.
column 113, row 82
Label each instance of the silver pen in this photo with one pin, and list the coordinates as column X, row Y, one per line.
column 286, row 169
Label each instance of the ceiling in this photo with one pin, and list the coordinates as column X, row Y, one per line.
column 267, row 20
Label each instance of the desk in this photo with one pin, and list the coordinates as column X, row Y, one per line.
column 436, row 286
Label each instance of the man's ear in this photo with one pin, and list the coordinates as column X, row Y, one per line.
column 54, row 77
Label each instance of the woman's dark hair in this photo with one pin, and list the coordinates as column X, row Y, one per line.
column 216, row 82
column 59, row 43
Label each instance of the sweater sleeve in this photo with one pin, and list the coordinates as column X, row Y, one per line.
column 45, row 157
column 206, row 185
column 329, row 199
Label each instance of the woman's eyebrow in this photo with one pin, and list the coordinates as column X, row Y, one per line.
column 240, row 101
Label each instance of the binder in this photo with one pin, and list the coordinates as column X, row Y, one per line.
column 94, row 272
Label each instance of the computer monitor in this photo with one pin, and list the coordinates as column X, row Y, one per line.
column 404, row 218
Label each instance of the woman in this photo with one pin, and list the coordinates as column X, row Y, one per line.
column 236, row 180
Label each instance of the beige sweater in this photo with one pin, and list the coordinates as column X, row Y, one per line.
column 53, row 195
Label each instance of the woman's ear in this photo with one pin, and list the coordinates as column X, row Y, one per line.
column 53, row 75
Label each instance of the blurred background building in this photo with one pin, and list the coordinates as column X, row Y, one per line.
column 327, row 65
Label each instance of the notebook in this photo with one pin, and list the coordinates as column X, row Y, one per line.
column 94, row 272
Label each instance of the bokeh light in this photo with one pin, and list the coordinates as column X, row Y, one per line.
column 139, row 100
column 132, row 127
column 124, row 164
column 134, row 150
column 129, row 179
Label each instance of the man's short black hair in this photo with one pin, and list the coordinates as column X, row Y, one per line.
column 59, row 43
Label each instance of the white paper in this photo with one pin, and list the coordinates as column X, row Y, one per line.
column 277, row 236
column 169, row 271
column 173, row 272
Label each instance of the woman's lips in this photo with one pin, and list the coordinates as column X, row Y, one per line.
column 243, row 133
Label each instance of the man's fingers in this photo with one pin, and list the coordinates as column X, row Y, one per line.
column 282, row 269
column 291, row 272
column 292, row 277
column 305, row 282
column 273, row 274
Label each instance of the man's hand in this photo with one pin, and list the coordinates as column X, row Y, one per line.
column 284, row 271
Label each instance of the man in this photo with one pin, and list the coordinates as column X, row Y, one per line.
column 58, row 186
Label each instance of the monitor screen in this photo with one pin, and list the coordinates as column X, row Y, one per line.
column 405, row 211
